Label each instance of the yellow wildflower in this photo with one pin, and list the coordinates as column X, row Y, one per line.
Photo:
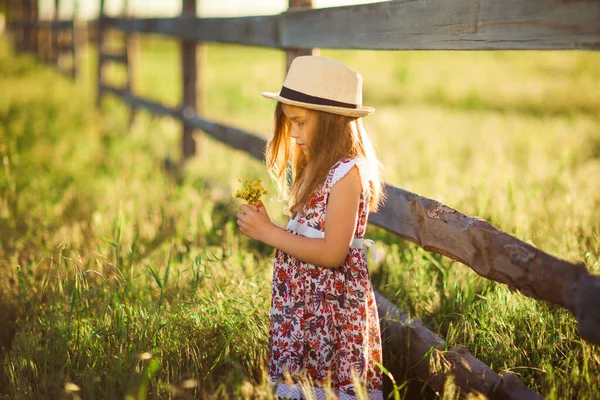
column 251, row 191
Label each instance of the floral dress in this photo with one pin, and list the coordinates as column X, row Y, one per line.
column 324, row 321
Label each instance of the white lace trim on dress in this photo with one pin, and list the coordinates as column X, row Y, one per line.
column 296, row 392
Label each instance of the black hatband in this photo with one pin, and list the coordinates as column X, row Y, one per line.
column 306, row 98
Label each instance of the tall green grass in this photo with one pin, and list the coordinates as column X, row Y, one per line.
column 125, row 283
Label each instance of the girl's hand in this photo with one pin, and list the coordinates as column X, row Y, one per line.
column 254, row 221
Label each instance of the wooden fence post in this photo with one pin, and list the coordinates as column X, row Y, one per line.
column 30, row 29
column 35, row 20
column 291, row 53
column 78, row 41
column 191, row 101
column 100, row 33
column 132, row 54
column 27, row 18
column 18, row 32
column 54, row 50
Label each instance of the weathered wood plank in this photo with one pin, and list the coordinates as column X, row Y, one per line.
column 54, row 33
column 447, row 25
column 152, row 106
column 290, row 54
column 36, row 31
column 413, row 24
column 78, row 40
column 99, row 49
column 236, row 138
column 233, row 137
column 29, row 27
column 61, row 24
column 251, row 31
column 494, row 255
column 132, row 61
column 190, row 84
column 398, row 25
column 55, row 25
column 407, row 343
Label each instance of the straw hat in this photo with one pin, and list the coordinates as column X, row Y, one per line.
column 321, row 84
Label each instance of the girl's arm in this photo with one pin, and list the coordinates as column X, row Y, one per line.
column 340, row 222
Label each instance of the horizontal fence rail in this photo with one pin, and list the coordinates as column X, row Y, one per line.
column 447, row 25
column 235, row 138
column 472, row 241
column 398, row 25
column 118, row 58
column 251, row 31
column 393, row 25
column 54, row 25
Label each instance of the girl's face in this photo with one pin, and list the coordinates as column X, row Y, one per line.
column 302, row 125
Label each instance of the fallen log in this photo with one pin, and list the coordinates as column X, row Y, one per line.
column 412, row 349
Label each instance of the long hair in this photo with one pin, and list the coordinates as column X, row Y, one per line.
column 336, row 137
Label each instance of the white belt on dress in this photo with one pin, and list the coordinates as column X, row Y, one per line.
column 357, row 243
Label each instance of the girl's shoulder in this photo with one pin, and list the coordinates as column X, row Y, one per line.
column 343, row 166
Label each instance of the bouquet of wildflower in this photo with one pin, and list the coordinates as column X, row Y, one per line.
column 251, row 191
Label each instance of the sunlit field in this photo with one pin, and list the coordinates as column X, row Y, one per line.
column 126, row 281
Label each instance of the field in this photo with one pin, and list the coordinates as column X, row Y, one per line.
column 127, row 282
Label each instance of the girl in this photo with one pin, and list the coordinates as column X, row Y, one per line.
column 324, row 322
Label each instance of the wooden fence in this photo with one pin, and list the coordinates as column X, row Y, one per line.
column 418, row 24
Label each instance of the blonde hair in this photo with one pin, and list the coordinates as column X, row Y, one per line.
column 341, row 136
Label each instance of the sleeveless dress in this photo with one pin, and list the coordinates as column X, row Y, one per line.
column 324, row 323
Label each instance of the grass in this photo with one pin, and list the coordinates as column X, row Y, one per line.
column 125, row 283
